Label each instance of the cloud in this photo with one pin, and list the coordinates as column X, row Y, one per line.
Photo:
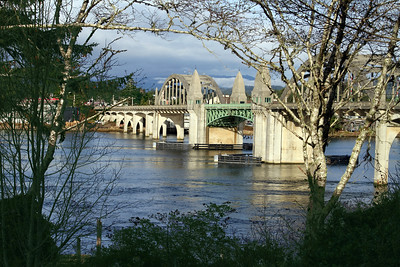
column 160, row 57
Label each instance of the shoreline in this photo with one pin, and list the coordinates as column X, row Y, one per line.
column 248, row 131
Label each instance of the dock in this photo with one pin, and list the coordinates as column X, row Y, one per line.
column 338, row 159
column 171, row 146
column 237, row 159
column 217, row 147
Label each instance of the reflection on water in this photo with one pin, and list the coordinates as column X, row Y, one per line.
column 164, row 180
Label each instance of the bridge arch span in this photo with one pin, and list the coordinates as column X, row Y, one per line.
column 120, row 118
column 106, row 117
column 113, row 116
column 227, row 121
column 128, row 121
column 228, row 115
column 175, row 90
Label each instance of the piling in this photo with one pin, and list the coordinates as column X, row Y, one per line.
column 99, row 232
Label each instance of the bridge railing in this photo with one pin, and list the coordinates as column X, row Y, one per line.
column 229, row 106
column 150, row 107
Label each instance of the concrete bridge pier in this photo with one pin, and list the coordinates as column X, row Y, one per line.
column 259, row 140
column 149, row 125
column 134, row 122
column 105, row 118
column 140, row 122
column 274, row 139
column 119, row 117
column 197, row 125
column 178, row 120
column 275, row 142
column 159, row 125
column 384, row 138
column 164, row 128
column 126, row 122
column 156, row 125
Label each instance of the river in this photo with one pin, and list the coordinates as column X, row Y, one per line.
column 155, row 181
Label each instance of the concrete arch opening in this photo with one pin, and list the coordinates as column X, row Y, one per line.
column 162, row 131
column 129, row 126
column 172, row 126
column 138, row 128
column 141, row 123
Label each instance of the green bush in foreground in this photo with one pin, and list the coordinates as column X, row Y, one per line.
column 16, row 218
column 186, row 239
column 367, row 236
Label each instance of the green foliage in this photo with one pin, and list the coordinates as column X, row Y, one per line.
column 186, row 239
column 363, row 237
column 116, row 88
column 366, row 236
column 15, row 221
column 138, row 96
column 338, row 124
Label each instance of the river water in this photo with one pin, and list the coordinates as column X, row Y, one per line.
column 153, row 181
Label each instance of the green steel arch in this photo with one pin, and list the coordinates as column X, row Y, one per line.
column 227, row 115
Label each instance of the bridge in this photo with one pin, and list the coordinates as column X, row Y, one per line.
column 198, row 99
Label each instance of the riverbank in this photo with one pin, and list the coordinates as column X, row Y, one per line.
column 247, row 131
column 110, row 127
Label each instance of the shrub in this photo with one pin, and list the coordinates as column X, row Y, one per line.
column 363, row 237
column 196, row 238
column 15, row 220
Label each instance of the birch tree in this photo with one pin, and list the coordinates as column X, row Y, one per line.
column 324, row 52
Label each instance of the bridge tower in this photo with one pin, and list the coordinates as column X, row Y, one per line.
column 238, row 95
column 195, row 106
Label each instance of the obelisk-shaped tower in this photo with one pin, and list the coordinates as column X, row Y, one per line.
column 197, row 119
column 261, row 93
column 238, row 95
column 195, row 95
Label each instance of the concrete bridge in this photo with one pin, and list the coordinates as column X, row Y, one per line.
column 198, row 99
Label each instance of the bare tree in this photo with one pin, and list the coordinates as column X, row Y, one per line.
column 52, row 182
column 324, row 51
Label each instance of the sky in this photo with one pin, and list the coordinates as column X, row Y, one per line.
column 158, row 58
